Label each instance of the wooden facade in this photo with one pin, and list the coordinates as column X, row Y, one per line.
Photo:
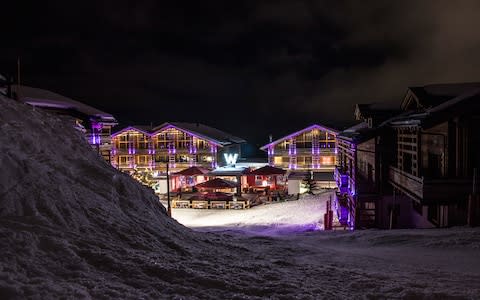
column 360, row 173
column 138, row 147
column 416, row 168
column 435, row 167
column 312, row 148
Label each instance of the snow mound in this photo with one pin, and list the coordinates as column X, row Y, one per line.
column 73, row 227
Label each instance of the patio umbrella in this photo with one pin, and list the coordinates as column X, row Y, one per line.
column 268, row 171
column 192, row 171
column 217, row 183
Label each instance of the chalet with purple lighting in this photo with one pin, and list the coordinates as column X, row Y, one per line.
column 312, row 148
column 178, row 144
column 96, row 124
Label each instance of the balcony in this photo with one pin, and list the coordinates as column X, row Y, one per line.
column 426, row 190
column 407, row 183
column 342, row 179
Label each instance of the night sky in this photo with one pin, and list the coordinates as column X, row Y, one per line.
column 251, row 68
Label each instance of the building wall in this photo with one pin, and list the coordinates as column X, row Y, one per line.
column 134, row 149
column 366, row 161
column 439, row 177
column 311, row 150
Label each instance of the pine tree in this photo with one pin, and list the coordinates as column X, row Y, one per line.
column 309, row 183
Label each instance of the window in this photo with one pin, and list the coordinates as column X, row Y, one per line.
column 370, row 173
column 124, row 159
column 161, row 158
column 407, row 162
column 434, row 168
column 181, row 158
column 142, row 142
column 142, row 159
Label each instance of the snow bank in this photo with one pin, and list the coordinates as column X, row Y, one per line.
column 73, row 227
column 301, row 215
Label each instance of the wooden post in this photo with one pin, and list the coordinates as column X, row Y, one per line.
column 169, row 207
column 330, row 214
column 472, row 207
column 18, row 79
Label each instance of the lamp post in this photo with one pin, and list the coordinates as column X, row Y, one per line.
column 169, row 207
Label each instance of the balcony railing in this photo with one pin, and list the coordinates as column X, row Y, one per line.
column 429, row 190
column 341, row 178
column 406, row 182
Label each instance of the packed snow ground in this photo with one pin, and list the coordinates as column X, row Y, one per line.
column 301, row 215
column 71, row 226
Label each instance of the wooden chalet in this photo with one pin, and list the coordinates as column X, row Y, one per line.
column 364, row 153
column 413, row 167
column 437, row 151
column 180, row 145
column 312, row 148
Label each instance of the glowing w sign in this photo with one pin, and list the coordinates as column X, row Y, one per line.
column 231, row 159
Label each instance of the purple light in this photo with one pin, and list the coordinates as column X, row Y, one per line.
column 185, row 131
column 315, row 126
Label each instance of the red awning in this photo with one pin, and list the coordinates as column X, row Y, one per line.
column 268, row 171
column 192, row 171
column 217, row 183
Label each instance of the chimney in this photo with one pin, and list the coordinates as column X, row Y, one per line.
column 270, row 138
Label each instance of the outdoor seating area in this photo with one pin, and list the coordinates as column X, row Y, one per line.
column 216, row 200
column 213, row 191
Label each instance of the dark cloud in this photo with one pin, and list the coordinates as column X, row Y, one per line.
column 253, row 68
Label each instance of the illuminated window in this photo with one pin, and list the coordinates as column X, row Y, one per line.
column 327, row 160
column 277, row 160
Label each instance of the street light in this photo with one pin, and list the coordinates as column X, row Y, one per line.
column 169, row 207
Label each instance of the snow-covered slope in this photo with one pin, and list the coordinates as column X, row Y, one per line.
column 301, row 215
column 73, row 227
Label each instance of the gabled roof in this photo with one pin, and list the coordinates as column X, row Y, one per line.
column 202, row 131
column 357, row 133
column 47, row 99
column 434, row 94
column 314, row 126
column 267, row 171
column 192, row 171
column 464, row 103
column 379, row 112
column 145, row 129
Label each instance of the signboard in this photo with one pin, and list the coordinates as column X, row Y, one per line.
column 230, row 159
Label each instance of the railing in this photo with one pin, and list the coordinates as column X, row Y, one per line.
column 406, row 182
column 341, row 177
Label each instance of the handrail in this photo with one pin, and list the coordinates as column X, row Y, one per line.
column 410, row 176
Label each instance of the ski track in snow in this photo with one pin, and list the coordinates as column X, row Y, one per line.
column 71, row 226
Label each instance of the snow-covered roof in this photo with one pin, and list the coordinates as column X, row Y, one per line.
column 48, row 99
column 311, row 127
column 228, row 171
column 145, row 129
column 202, row 131
column 434, row 94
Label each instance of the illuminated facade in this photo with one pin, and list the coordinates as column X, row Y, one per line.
column 180, row 145
column 312, row 148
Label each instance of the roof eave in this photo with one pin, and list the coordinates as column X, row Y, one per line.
column 130, row 128
column 314, row 126
column 167, row 125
